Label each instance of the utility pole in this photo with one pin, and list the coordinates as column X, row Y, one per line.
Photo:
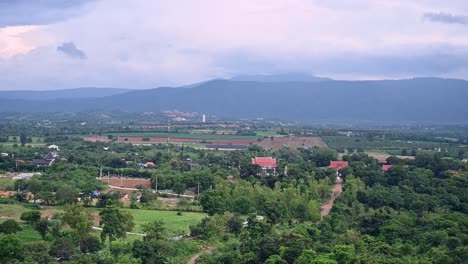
column 156, row 184
column 198, row 189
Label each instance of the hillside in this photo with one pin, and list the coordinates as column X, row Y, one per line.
column 412, row 100
column 88, row 92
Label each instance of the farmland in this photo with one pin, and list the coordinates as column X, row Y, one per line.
column 268, row 143
column 292, row 142
column 126, row 182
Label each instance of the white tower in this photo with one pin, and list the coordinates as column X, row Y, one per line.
column 204, row 118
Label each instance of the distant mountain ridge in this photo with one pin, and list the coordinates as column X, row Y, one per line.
column 285, row 77
column 86, row 92
column 412, row 100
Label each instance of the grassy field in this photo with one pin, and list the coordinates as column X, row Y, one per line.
column 175, row 224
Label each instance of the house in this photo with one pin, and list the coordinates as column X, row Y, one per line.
column 338, row 165
column 150, row 164
column 386, row 167
column 266, row 163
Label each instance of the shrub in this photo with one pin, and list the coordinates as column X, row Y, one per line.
column 10, row 226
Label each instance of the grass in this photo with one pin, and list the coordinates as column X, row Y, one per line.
column 175, row 224
column 11, row 211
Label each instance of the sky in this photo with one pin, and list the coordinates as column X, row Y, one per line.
column 60, row 44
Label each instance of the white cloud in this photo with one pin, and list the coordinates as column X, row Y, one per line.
column 142, row 44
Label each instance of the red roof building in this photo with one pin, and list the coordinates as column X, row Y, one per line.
column 150, row 164
column 267, row 164
column 264, row 162
column 338, row 165
column 386, row 167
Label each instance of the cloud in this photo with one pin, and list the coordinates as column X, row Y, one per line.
column 446, row 18
column 145, row 44
column 25, row 12
column 71, row 50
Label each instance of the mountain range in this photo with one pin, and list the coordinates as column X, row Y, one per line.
column 294, row 97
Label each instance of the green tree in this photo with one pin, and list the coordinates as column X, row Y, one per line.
column 31, row 217
column 178, row 187
column 154, row 230
column 34, row 186
column 42, row 227
column 63, row 248
column 66, row 195
column 78, row 219
column 345, row 254
column 115, row 223
column 213, row 202
column 10, row 226
column 23, row 139
column 37, row 251
column 10, row 248
column 89, row 244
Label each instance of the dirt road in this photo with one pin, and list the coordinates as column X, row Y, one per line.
column 337, row 190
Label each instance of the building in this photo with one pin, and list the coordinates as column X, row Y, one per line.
column 338, row 165
column 266, row 163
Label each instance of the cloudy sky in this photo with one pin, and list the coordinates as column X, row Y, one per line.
column 56, row 44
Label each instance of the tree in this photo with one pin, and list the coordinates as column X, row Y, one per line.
column 31, row 217
column 234, row 224
column 23, row 139
column 89, row 244
column 10, row 248
column 213, row 202
column 178, row 187
column 37, row 251
column 34, row 186
column 10, row 226
column 78, row 219
column 63, row 248
column 154, row 230
column 115, row 223
column 344, row 254
column 66, row 195
column 42, row 227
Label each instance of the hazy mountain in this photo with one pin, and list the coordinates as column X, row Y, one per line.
column 413, row 100
column 88, row 92
column 285, row 77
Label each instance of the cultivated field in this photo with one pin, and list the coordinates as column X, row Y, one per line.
column 292, row 142
column 268, row 143
column 127, row 182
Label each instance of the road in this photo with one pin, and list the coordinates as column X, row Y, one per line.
column 337, row 190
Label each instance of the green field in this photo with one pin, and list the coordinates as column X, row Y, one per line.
column 182, row 135
column 175, row 224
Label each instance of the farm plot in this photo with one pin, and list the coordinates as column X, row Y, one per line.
column 292, row 142
column 127, row 182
